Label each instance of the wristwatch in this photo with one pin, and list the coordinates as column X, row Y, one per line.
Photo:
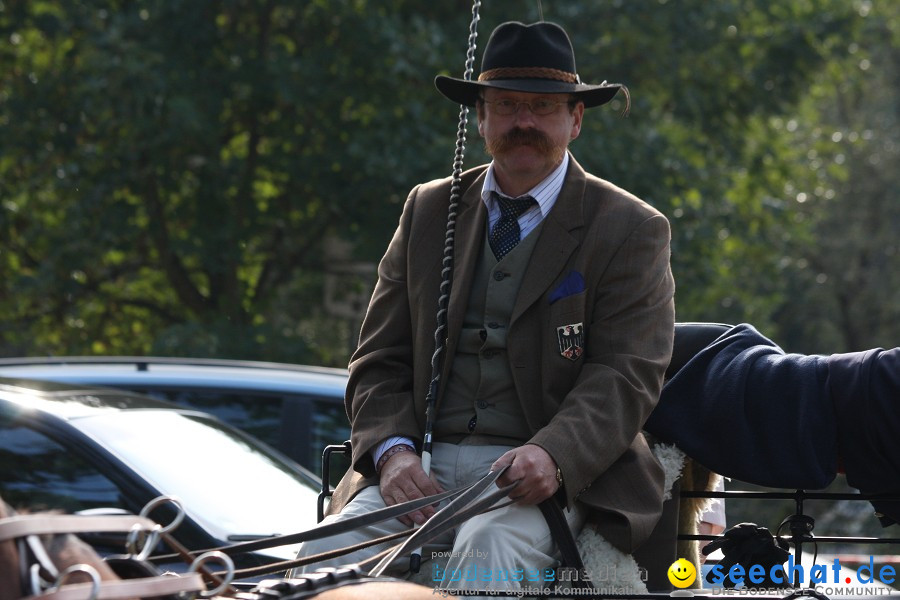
column 559, row 476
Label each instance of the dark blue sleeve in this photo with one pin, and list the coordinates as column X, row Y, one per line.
column 745, row 409
column 865, row 387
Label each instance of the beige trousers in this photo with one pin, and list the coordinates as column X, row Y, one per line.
column 505, row 549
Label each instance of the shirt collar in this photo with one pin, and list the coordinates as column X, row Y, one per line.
column 544, row 193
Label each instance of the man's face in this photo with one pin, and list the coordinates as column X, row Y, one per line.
column 526, row 146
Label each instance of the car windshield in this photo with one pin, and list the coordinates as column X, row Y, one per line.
column 229, row 484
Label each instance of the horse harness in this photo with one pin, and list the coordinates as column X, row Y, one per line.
column 41, row 579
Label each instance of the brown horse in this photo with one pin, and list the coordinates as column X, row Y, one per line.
column 386, row 590
column 64, row 550
column 9, row 564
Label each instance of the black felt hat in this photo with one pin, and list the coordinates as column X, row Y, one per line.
column 534, row 58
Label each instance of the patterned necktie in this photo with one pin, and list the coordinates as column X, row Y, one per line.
column 506, row 232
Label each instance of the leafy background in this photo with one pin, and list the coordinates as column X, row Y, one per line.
column 209, row 178
column 219, row 178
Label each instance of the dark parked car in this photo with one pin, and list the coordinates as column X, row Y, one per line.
column 104, row 450
column 296, row 409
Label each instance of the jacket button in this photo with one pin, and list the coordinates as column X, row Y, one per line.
column 493, row 325
column 499, row 276
column 482, row 404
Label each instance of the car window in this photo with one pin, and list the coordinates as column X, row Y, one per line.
column 229, row 484
column 258, row 415
column 298, row 425
column 328, row 425
column 37, row 473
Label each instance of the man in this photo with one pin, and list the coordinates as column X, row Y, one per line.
column 560, row 327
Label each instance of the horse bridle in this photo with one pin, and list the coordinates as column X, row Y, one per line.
column 40, row 579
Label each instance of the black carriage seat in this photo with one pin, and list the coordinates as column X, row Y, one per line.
column 660, row 550
column 690, row 339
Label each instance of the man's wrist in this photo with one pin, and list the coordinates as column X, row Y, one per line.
column 386, row 456
column 388, row 443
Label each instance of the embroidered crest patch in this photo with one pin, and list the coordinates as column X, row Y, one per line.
column 571, row 340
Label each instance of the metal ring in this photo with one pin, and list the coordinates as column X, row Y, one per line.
column 226, row 562
column 159, row 501
column 149, row 542
column 83, row 568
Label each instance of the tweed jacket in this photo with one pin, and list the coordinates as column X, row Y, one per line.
column 587, row 413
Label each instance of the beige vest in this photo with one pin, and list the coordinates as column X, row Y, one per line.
column 480, row 404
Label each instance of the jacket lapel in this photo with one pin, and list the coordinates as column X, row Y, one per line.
column 556, row 242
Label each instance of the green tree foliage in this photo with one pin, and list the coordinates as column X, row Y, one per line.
column 710, row 80
column 844, row 277
column 171, row 171
column 170, row 168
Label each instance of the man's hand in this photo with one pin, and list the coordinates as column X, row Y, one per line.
column 534, row 467
column 402, row 479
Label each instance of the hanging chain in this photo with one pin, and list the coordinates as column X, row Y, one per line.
column 447, row 262
column 447, row 268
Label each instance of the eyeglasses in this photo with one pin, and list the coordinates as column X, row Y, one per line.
column 541, row 106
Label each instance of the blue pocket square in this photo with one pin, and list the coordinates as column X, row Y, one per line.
column 571, row 285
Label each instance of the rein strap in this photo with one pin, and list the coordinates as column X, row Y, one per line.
column 330, row 529
column 25, row 525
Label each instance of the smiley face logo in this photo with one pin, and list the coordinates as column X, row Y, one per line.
column 682, row 573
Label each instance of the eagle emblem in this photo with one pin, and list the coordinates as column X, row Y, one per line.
column 571, row 340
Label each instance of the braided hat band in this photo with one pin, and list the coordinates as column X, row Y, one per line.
column 529, row 73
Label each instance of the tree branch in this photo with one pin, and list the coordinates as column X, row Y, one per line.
column 172, row 266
